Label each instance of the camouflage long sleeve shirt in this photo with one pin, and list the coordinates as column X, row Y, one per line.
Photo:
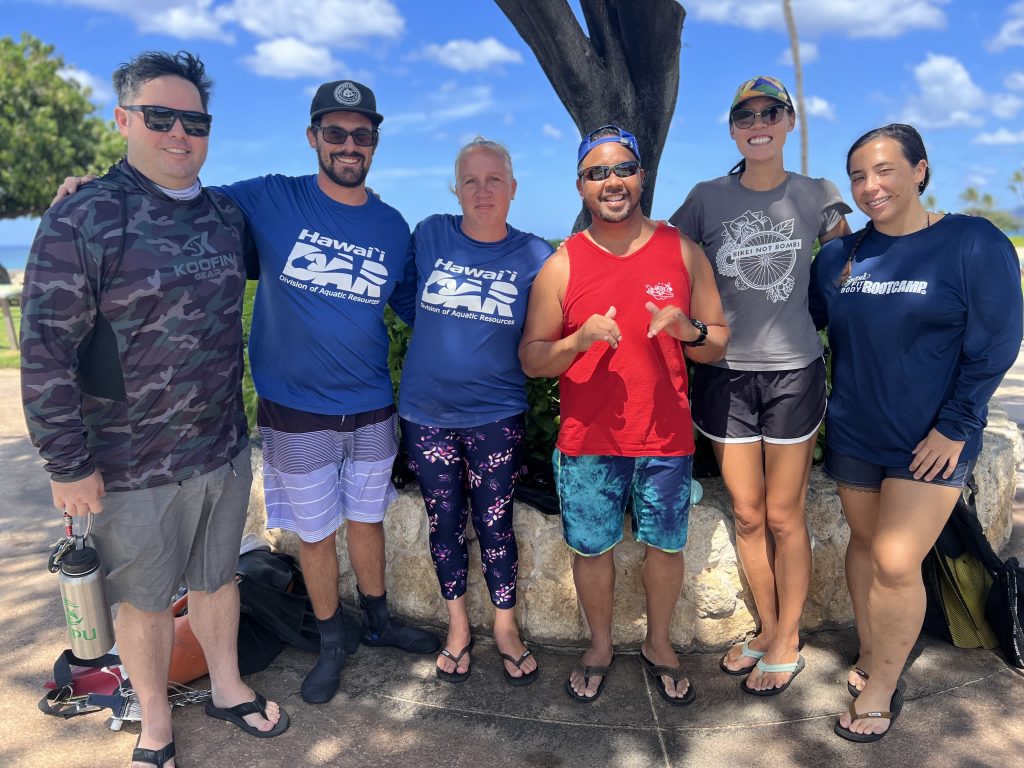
column 131, row 337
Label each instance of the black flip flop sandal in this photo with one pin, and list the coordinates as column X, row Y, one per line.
column 587, row 672
column 456, row 676
column 523, row 679
column 257, row 706
column 676, row 673
column 157, row 757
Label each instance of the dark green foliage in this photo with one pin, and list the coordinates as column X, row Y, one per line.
column 47, row 129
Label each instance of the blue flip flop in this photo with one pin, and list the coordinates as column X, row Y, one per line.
column 745, row 650
column 794, row 668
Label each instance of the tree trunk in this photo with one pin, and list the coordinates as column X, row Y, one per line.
column 625, row 73
column 801, row 115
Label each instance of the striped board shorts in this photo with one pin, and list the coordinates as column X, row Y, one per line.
column 320, row 469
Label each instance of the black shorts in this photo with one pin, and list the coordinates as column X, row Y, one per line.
column 731, row 406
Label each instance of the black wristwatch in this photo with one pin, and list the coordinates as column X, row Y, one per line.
column 701, row 336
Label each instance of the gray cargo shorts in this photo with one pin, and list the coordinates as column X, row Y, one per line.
column 153, row 540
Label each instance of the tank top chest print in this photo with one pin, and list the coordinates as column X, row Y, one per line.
column 759, row 254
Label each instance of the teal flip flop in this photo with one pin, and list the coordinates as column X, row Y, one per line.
column 745, row 650
column 794, row 668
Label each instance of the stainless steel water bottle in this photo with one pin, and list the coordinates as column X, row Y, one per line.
column 83, row 594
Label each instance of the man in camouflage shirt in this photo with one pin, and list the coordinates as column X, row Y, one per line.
column 131, row 382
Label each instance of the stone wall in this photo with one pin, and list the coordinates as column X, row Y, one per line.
column 715, row 608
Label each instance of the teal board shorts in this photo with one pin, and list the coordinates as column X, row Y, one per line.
column 593, row 491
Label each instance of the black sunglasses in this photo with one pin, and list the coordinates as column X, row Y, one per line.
column 162, row 119
column 623, row 170
column 744, row 118
column 363, row 137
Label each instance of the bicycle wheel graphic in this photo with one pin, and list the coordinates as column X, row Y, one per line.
column 764, row 260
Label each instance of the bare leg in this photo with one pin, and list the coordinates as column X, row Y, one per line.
column 595, row 585
column 663, row 581
column 787, row 469
column 742, row 468
column 506, row 637
column 213, row 617
column 366, row 551
column 459, row 635
column 319, row 561
column 144, row 642
column 861, row 511
column 910, row 518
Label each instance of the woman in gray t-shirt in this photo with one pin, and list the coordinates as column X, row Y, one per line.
column 762, row 405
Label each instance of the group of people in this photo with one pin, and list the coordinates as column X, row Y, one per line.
column 132, row 371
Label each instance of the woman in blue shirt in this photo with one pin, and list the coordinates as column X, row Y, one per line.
column 462, row 396
column 924, row 314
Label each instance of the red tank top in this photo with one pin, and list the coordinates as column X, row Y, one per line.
column 629, row 401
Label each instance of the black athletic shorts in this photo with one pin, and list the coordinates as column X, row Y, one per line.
column 731, row 406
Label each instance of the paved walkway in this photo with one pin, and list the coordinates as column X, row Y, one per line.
column 963, row 706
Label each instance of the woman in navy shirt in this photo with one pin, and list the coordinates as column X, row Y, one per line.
column 462, row 396
column 924, row 314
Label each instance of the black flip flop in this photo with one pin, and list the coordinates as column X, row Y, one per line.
column 523, row 679
column 587, row 672
column 853, row 689
column 157, row 757
column 676, row 673
column 895, row 707
column 257, row 706
column 456, row 676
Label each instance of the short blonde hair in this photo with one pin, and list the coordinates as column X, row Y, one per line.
column 491, row 146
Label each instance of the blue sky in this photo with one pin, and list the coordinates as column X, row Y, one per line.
column 447, row 70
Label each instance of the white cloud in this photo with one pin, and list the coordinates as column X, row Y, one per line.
column 469, row 56
column 288, row 57
column 1014, row 81
column 1000, row 137
column 549, row 130
column 102, row 92
column 184, row 19
column 1006, row 105
column 459, row 105
column 815, row 106
column 1012, row 32
column 854, row 18
column 808, row 54
column 334, row 23
column 337, row 23
column 948, row 97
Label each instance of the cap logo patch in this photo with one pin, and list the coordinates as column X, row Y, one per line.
column 346, row 93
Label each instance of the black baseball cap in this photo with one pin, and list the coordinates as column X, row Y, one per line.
column 345, row 96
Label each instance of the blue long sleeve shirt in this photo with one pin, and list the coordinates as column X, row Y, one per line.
column 921, row 335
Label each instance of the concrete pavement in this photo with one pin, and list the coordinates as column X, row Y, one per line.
column 962, row 710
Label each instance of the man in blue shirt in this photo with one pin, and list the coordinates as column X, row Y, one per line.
column 331, row 257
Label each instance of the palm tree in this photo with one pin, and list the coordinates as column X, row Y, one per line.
column 801, row 115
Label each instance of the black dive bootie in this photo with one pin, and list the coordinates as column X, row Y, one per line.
column 379, row 628
column 322, row 681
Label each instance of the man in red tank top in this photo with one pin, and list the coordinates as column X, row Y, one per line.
column 610, row 314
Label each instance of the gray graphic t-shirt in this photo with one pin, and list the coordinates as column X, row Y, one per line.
column 760, row 246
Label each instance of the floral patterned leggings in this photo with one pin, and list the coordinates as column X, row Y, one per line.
column 473, row 467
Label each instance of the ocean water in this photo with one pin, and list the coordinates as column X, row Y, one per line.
column 14, row 256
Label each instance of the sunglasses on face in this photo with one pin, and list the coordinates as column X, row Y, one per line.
column 623, row 170
column 745, row 118
column 162, row 119
column 362, row 137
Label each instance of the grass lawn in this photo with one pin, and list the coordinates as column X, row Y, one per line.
column 1018, row 240
column 10, row 358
